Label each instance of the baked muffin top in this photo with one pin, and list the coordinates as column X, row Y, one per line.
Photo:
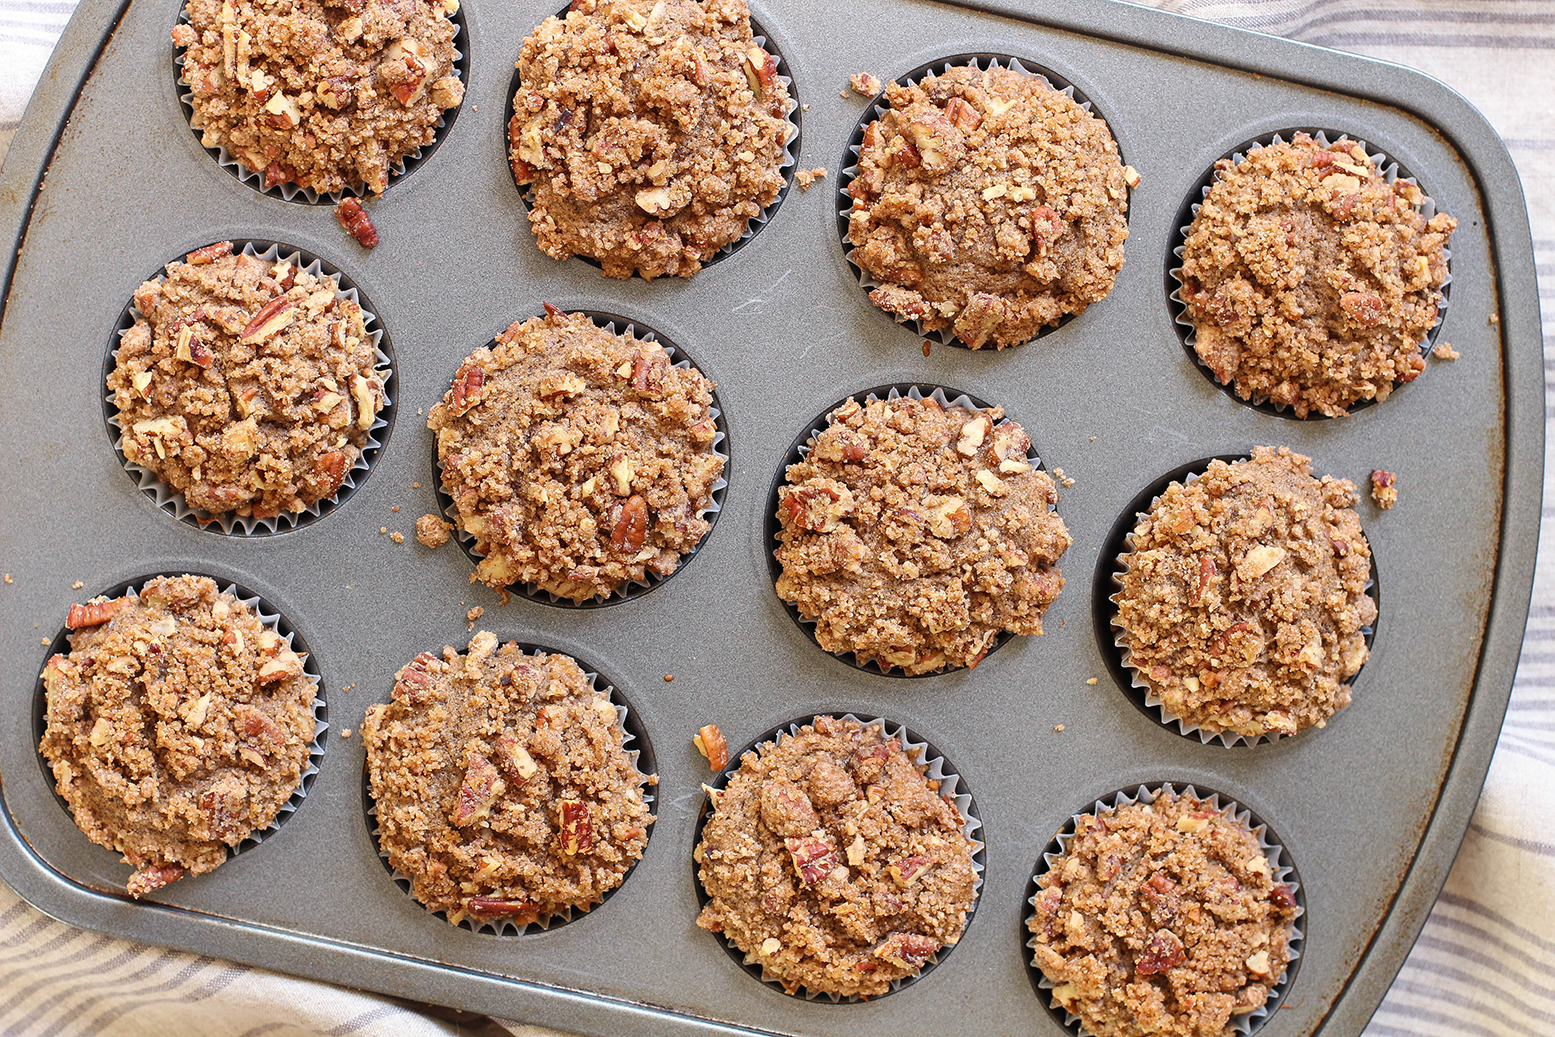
column 502, row 784
column 834, row 862
column 249, row 386
column 651, row 132
column 1162, row 918
column 988, row 204
column 1310, row 280
column 177, row 725
column 580, row 460
column 913, row 534
column 324, row 94
column 1244, row 596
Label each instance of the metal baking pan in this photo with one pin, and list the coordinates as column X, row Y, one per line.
column 105, row 183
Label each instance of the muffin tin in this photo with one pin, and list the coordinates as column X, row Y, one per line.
column 1370, row 809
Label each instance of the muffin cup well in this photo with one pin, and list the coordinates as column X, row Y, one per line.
column 637, row 588
column 632, row 733
column 800, row 449
column 1391, row 171
column 936, row 768
column 291, row 192
column 269, row 616
column 171, row 501
column 1280, row 864
column 1112, row 563
column 876, row 108
column 794, row 116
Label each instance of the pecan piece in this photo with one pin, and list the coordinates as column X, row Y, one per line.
column 413, row 680
column 814, row 858
column 274, row 316
column 331, row 468
column 963, row 115
column 577, row 830
column 631, row 526
column 209, row 254
column 514, row 759
column 1281, row 896
column 867, row 764
column 94, row 613
column 1163, row 951
column 649, row 367
column 466, row 391
column 818, row 509
column 355, row 220
column 908, row 870
column 710, row 742
column 1364, row 308
column 259, row 729
column 153, row 877
column 907, row 950
column 1207, row 573
column 521, row 912
column 479, row 790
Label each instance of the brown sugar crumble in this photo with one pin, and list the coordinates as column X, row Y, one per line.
column 1384, row 489
column 580, row 460
column 1244, row 596
column 248, row 386
column 397, row 537
column 1444, row 351
column 432, row 531
column 1162, row 918
column 178, row 724
column 806, row 178
column 74, row 586
column 475, row 613
column 1310, row 280
column 502, row 784
column 988, row 204
column 652, row 132
column 864, row 84
column 834, row 863
column 319, row 94
column 914, row 534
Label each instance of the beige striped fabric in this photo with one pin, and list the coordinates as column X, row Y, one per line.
column 1485, row 964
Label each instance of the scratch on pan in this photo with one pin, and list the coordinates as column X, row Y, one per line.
column 756, row 305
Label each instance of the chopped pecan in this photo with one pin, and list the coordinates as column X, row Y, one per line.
column 963, row 114
column 466, row 391
column 649, row 367
column 209, row 254
column 275, row 315
column 909, row 869
column 631, row 526
column 1281, row 896
column 412, row 682
column 258, row 728
column 867, row 763
column 514, row 759
column 711, row 742
column 907, row 950
column 331, row 468
column 1364, row 308
column 479, row 790
column 1163, row 951
column 153, row 877
column 1207, row 573
column 814, row 857
column 520, row 912
column 355, row 220
column 818, row 509
column 577, row 830
column 94, row 613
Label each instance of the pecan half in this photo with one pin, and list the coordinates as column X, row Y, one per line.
column 209, row 254
column 577, row 830
column 1163, row 951
column 479, row 790
column 94, row 613
column 466, row 391
column 631, row 526
column 355, row 220
column 274, row 316
column 711, row 742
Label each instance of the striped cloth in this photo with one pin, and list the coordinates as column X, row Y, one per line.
column 1481, row 967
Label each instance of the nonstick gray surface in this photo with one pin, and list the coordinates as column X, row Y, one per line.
column 1370, row 809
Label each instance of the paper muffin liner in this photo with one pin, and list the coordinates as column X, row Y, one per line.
column 172, row 501
column 793, row 114
column 290, row 191
column 1187, row 332
column 1143, row 692
column 269, row 616
column 632, row 731
column 1281, row 867
column 934, row 767
column 634, row 588
column 799, row 449
column 876, row 109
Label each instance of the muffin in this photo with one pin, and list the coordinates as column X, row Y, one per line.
column 502, row 785
column 579, row 459
column 1309, row 279
column 1244, row 596
column 247, row 385
column 987, row 204
column 914, row 533
column 834, row 862
column 323, row 94
column 178, row 725
column 651, row 132
column 1162, row 918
